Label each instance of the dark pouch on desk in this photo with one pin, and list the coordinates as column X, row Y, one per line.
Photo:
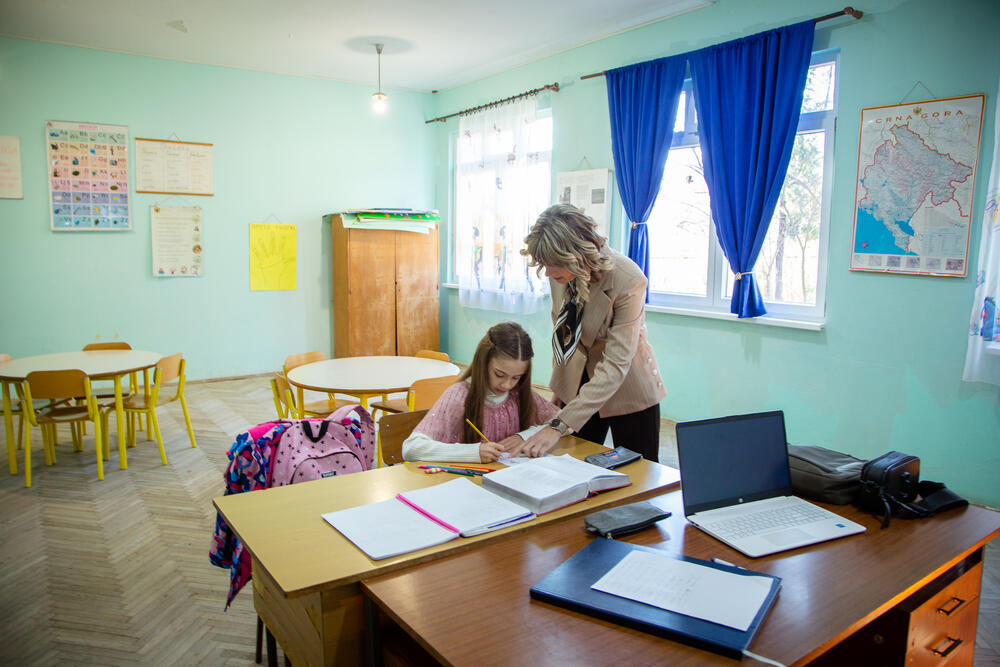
column 625, row 519
column 823, row 474
column 890, row 485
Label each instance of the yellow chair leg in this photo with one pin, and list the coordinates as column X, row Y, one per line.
column 44, row 428
column 76, row 430
column 98, row 440
column 187, row 420
column 53, row 441
column 105, row 441
column 27, row 457
column 153, row 424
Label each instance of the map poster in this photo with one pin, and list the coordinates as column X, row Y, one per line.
column 88, row 176
column 173, row 167
column 589, row 190
column 176, row 236
column 272, row 257
column 916, row 173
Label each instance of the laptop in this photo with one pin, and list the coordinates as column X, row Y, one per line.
column 736, row 486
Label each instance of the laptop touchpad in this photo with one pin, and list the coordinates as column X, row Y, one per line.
column 787, row 536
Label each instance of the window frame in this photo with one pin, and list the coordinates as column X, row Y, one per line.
column 717, row 303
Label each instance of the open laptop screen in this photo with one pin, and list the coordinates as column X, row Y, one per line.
column 732, row 460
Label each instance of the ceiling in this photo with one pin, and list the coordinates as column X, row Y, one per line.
column 429, row 44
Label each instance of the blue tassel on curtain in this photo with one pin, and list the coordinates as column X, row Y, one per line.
column 748, row 94
column 642, row 100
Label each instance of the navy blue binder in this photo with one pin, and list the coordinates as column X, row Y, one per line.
column 569, row 586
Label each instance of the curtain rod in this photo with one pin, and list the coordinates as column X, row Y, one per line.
column 552, row 86
column 846, row 11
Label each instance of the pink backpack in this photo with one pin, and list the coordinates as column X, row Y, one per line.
column 317, row 448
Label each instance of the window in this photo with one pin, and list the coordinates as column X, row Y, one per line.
column 687, row 267
column 503, row 179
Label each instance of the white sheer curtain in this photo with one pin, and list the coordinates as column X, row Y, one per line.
column 982, row 358
column 503, row 181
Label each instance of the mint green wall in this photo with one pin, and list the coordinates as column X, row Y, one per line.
column 286, row 149
column 886, row 372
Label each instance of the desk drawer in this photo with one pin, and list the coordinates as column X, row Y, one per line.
column 943, row 629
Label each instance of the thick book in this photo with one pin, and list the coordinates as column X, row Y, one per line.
column 425, row 517
column 571, row 586
column 548, row 483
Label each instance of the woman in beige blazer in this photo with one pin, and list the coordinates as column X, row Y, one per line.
column 604, row 372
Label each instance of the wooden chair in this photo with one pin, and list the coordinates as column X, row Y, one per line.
column 167, row 370
column 393, row 429
column 58, row 387
column 421, row 396
column 284, row 401
column 104, row 391
column 432, row 354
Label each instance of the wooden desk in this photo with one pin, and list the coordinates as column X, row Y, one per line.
column 365, row 376
column 828, row 592
column 306, row 574
column 97, row 364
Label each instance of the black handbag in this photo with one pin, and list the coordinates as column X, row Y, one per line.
column 890, row 485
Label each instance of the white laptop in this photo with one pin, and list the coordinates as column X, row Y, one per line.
column 736, row 486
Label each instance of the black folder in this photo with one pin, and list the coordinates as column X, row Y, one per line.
column 569, row 586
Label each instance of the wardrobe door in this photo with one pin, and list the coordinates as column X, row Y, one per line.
column 417, row 296
column 364, row 294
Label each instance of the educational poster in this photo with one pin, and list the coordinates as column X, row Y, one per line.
column 10, row 167
column 173, row 167
column 272, row 257
column 88, row 176
column 588, row 190
column 176, row 235
column 916, row 172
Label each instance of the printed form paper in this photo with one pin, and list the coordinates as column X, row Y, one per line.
column 687, row 588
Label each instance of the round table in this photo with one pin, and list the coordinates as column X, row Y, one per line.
column 97, row 364
column 366, row 376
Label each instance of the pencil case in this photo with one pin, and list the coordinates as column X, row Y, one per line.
column 624, row 519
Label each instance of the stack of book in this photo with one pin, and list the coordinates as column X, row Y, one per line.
column 398, row 219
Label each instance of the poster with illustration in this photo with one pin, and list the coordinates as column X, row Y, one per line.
column 176, row 233
column 87, row 167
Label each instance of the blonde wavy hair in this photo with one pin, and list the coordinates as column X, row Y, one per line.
column 566, row 238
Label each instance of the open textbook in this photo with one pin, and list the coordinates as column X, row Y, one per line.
column 548, row 483
column 425, row 518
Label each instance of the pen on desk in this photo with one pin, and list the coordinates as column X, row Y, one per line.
column 460, row 468
column 469, row 422
column 454, row 471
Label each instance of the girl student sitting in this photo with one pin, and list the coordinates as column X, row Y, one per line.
column 494, row 393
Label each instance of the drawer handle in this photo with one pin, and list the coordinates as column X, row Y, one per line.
column 955, row 604
column 953, row 643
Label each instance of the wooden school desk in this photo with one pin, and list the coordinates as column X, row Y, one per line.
column 828, row 592
column 306, row 574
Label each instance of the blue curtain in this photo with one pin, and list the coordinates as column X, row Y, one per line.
column 748, row 93
column 642, row 100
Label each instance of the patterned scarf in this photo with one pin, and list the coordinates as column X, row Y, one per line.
column 568, row 326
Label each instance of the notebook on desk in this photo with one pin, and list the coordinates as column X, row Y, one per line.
column 736, row 486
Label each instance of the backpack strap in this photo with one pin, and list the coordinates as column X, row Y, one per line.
column 307, row 429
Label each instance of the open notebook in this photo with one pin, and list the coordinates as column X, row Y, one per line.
column 425, row 517
column 548, row 483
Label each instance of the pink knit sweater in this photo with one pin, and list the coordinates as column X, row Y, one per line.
column 445, row 420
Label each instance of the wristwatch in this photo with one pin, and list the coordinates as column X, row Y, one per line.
column 560, row 425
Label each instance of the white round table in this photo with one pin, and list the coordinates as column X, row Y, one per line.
column 365, row 377
column 97, row 364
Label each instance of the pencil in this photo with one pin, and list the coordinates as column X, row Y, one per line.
column 469, row 422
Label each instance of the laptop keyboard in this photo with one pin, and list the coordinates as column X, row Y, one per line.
column 765, row 520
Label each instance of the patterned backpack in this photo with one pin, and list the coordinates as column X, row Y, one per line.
column 311, row 449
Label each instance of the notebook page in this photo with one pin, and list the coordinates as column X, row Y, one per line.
column 466, row 506
column 687, row 588
column 388, row 528
column 580, row 471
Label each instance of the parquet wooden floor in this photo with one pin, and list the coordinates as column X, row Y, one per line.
column 117, row 572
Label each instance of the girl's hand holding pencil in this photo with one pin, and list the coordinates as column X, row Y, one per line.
column 488, row 451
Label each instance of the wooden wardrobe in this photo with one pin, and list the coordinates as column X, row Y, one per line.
column 385, row 291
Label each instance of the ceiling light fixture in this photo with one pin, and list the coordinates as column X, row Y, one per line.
column 378, row 99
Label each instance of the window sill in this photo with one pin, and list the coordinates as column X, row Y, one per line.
column 767, row 320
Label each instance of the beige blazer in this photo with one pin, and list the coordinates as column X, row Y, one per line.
column 624, row 376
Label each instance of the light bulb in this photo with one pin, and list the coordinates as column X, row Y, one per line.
column 378, row 101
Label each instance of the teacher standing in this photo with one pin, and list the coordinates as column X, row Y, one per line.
column 604, row 372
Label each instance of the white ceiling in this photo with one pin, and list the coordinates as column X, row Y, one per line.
column 429, row 44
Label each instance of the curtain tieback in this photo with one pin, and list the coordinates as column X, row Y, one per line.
column 636, row 224
column 739, row 275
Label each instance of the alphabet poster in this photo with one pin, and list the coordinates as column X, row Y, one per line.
column 88, row 176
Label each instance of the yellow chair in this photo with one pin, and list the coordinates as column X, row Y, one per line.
column 284, row 401
column 393, row 430
column 421, row 396
column 58, row 387
column 167, row 370
column 432, row 354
